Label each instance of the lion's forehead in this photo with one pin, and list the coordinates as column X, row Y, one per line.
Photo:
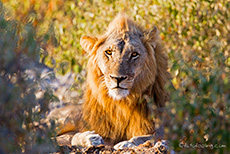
column 120, row 44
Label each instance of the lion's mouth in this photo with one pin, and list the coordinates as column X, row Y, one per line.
column 118, row 87
column 118, row 92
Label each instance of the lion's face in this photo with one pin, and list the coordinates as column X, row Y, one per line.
column 121, row 60
column 125, row 58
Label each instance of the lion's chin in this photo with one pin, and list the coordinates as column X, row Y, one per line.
column 118, row 94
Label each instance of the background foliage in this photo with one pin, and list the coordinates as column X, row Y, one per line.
column 22, row 125
column 196, row 36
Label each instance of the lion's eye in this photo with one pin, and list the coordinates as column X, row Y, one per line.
column 108, row 52
column 134, row 55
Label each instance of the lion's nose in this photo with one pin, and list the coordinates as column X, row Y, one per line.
column 118, row 78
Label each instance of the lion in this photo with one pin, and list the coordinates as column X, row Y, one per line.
column 126, row 64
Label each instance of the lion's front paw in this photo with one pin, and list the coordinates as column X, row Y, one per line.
column 86, row 139
column 123, row 145
column 135, row 141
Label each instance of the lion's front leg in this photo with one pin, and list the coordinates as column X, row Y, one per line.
column 86, row 139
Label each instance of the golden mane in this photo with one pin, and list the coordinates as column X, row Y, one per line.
column 118, row 120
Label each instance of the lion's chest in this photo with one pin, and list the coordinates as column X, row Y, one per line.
column 118, row 121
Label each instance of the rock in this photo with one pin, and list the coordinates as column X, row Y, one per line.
column 161, row 147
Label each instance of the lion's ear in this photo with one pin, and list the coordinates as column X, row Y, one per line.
column 151, row 36
column 87, row 42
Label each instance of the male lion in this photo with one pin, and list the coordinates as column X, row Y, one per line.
column 125, row 64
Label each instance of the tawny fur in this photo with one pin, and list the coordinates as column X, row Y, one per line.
column 118, row 120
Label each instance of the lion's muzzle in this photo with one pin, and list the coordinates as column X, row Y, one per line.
column 118, row 79
column 118, row 86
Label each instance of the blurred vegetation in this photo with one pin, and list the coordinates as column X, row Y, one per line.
column 22, row 120
column 196, row 35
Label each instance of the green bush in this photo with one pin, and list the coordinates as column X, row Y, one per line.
column 196, row 36
column 199, row 51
